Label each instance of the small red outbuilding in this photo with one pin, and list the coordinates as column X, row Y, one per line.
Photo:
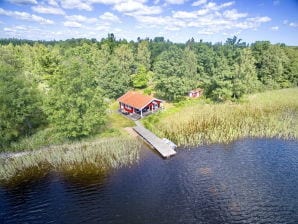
column 195, row 93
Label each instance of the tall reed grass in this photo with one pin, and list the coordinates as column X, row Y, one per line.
column 269, row 114
column 76, row 159
column 39, row 139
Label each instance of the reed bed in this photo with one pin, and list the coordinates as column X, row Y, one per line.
column 76, row 159
column 271, row 114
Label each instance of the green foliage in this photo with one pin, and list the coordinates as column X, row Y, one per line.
column 74, row 103
column 115, row 75
column 142, row 78
column 220, row 85
column 235, row 42
column 292, row 69
column 233, row 72
column 48, row 61
column 170, row 63
column 124, row 59
column 271, row 64
column 20, row 101
column 112, row 80
column 190, row 64
column 176, row 73
column 61, row 85
column 173, row 88
column 143, row 55
column 245, row 76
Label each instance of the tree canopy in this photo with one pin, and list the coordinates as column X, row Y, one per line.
column 74, row 102
column 20, row 101
column 65, row 84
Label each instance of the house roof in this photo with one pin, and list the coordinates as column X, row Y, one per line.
column 136, row 100
column 196, row 90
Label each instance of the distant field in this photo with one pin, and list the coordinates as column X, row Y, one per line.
column 269, row 114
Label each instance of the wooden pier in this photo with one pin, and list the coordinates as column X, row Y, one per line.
column 163, row 148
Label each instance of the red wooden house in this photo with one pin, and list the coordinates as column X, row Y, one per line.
column 195, row 93
column 136, row 103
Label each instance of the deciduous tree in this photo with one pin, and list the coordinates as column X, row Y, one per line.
column 75, row 105
column 20, row 101
column 143, row 54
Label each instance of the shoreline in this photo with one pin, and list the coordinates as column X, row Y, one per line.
column 100, row 155
column 9, row 155
column 165, row 124
column 271, row 114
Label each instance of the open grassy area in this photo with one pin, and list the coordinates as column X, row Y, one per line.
column 96, row 157
column 115, row 122
column 268, row 114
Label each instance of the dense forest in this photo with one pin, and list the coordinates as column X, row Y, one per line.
column 67, row 85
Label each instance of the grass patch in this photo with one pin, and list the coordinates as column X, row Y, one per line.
column 115, row 122
column 41, row 138
column 170, row 110
column 269, row 114
column 75, row 159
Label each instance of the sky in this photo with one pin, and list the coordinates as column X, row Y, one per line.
column 176, row 20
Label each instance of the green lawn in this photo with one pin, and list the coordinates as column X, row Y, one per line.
column 115, row 122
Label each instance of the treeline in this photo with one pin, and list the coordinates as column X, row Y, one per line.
column 66, row 85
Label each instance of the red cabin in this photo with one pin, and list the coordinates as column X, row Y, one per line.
column 195, row 93
column 136, row 103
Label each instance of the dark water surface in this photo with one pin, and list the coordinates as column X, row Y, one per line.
column 249, row 181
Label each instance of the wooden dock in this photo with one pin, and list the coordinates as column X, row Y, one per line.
column 164, row 149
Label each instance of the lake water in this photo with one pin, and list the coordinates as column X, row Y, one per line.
column 248, row 181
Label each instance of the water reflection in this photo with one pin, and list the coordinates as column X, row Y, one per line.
column 249, row 181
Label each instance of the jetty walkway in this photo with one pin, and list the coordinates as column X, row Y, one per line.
column 158, row 144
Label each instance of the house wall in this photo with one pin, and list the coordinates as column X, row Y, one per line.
column 152, row 104
column 126, row 108
column 195, row 94
column 129, row 109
